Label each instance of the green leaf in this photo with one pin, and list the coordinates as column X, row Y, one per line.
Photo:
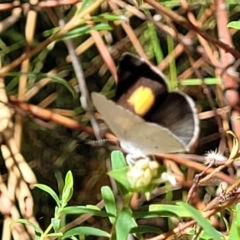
column 101, row 26
column 109, row 17
column 51, row 31
column 59, row 234
column 54, row 78
column 234, row 232
column 55, row 223
column 94, row 207
column 120, row 175
column 109, row 201
column 89, row 6
column 37, row 230
column 124, row 224
column 86, row 4
column 85, row 231
column 204, row 236
column 85, row 30
column 12, row 85
column 234, row 24
column 84, row 210
column 49, row 191
column 198, row 82
column 238, row 214
column 204, row 223
column 63, row 82
column 118, row 160
column 166, row 210
column 119, row 172
column 68, row 188
column 67, row 195
column 172, row 80
column 74, row 238
column 155, row 40
column 69, row 179
column 56, row 210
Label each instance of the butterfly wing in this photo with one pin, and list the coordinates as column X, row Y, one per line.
column 178, row 114
column 131, row 69
column 133, row 131
column 174, row 111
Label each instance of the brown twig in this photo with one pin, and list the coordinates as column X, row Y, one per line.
column 182, row 21
column 77, row 66
column 36, row 7
column 206, row 214
column 50, row 116
column 197, row 166
column 73, row 23
column 230, row 82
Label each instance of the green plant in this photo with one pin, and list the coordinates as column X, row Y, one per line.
column 122, row 219
column 54, row 228
column 234, row 24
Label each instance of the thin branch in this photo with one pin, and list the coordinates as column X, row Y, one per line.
column 184, row 22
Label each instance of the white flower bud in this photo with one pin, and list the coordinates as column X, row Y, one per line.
column 142, row 173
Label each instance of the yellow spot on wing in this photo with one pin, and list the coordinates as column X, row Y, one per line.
column 142, row 100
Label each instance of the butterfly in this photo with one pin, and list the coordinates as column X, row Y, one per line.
column 145, row 116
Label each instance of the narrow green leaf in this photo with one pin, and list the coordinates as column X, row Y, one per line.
column 89, row 6
column 119, row 172
column 63, row 82
column 124, row 224
column 55, row 223
column 74, row 238
column 85, row 231
column 12, row 85
column 54, row 78
column 234, row 232
column 67, row 195
column 238, row 214
column 85, row 30
column 109, row 201
column 84, row 210
column 234, row 24
column 51, row 31
column 86, row 4
column 154, row 39
column 56, row 210
column 198, row 82
column 204, row 236
column 118, row 160
column 59, row 234
column 93, row 207
column 109, row 17
column 49, row 191
column 120, row 175
column 37, row 230
column 69, row 179
column 172, row 81
column 166, row 210
column 68, row 188
column 77, row 32
column 204, row 223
